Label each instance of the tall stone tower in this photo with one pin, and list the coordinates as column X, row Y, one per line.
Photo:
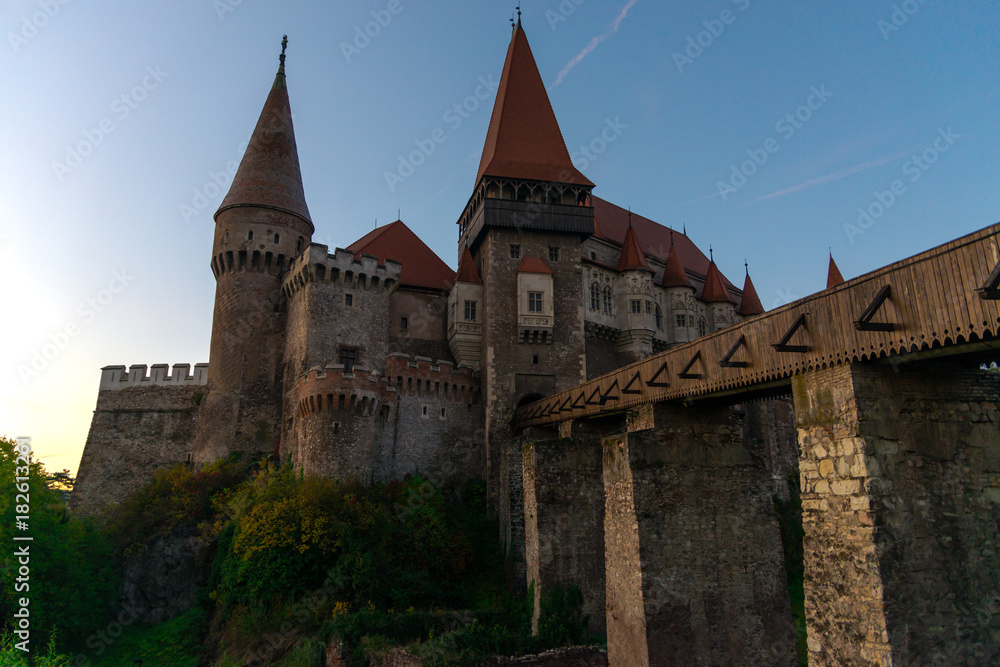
column 524, row 226
column 262, row 224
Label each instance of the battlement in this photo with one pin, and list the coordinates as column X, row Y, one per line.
column 420, row 376
column 115, row 378
column 341, row 267
column 331, row 389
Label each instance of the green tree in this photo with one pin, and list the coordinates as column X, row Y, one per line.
column 71, row 583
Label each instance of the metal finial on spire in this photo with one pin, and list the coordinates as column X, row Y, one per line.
column 630, row 216
column 746, row 266
column 685, row 229
column 671, row 237
column 711, row 254
column 284, row 45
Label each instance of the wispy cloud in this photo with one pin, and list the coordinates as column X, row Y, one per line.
column 594, row 42
column 717, row 194
column 835, row 176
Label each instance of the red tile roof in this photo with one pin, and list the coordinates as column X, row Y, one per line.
column 269, row 175
column 674, row 274
column 631, row 257
column 467, row 269
column 833, row 277
column 655, row 238
column 715, row 289
column 750, row 303
column 396, row 241
column 524, row 140
column 533, row 265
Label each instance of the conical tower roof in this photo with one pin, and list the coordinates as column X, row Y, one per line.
column 833, row 276
column 632, row 257
column 715, row 289
column 524, row 140
column 674, row 274
column 269, row 174
column 467, row 269
column 750, row 303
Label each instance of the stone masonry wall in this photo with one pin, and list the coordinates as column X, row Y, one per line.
column 900, row 493
column 714, row 584
column 136, row 430
column 564, row 520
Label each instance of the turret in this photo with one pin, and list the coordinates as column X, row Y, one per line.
column 721, row 305
column 262, row 224
column 681, row 307
column 636, row 305
column 833, row 275
column 465, row 312
column 749, row 303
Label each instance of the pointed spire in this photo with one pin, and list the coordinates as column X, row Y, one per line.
column 750, row 303
column 833, row 276
column 715, row 287
column 674, row 274
column 524, row 140
column 269, row 174
column 632, row 257
column 467, row 269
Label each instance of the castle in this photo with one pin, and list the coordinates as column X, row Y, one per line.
column 377, row 360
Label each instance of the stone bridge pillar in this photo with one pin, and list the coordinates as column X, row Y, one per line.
column 564, row 516
column 900, row 471
column 694, row 561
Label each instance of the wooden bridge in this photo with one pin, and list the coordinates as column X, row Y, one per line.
column 943, row 301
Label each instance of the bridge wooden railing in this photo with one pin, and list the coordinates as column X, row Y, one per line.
column 942, row 297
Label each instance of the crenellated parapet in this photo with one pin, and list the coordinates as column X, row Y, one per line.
column 116, row 378
column 334, row 390
column 422, row 376
column 363, row 391
column 318, row 265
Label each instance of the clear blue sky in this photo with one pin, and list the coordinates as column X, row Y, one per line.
column 195, row 75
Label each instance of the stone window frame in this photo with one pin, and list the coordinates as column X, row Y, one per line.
column 470, row 311
column 349, row 300
column 595, row 296
column 404, row 323
column 636, row 306
column 444, row 414
column 681, row 320
column 553, row 253
column 425, row 411
column 658, row 314
column 349, row 357
column 702, row 327
column 515, row 251
column 250, row 235
column 535, row 301
column 609, row 301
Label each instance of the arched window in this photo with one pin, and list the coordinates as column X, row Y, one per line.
column 595, row 297
column 702, row 327
column 659, row 318
column 609, row 303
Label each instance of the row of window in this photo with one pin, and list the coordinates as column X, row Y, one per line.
column 515, row 252
column 277, row 239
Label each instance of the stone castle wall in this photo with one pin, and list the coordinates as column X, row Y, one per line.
column 421, row 417
column 900, row 476
column 142, row 423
